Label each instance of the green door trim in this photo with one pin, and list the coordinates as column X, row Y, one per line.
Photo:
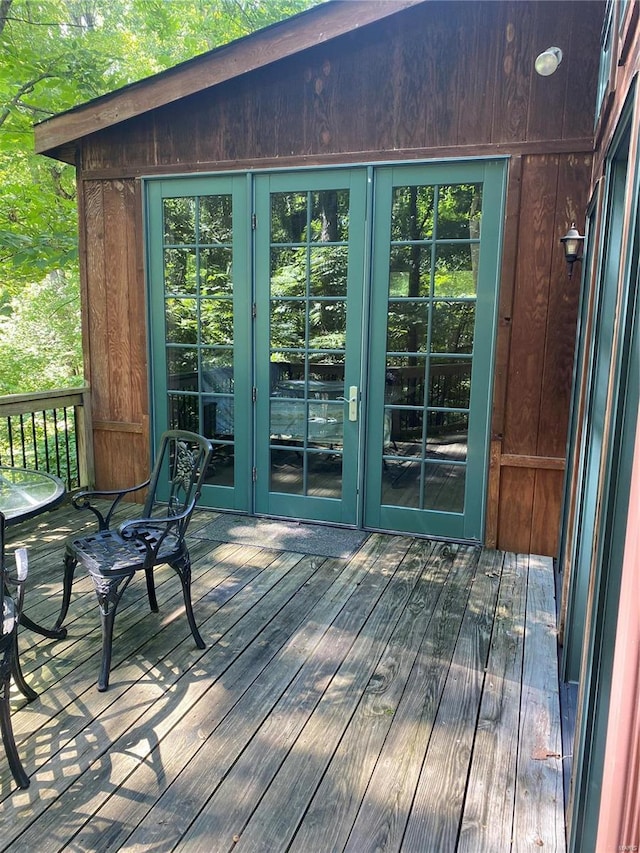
column 598, row 623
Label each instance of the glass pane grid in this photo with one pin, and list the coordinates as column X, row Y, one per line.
column 307, row 340
column 198, row 285
column 434, row 251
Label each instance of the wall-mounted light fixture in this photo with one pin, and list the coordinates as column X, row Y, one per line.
column 572, row 242
column 548, row 61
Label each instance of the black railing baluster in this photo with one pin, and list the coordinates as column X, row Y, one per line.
column 57, row 441
column 34, row 439
column 76, row 427
column 66, row 445
column 45, row 434
column 22, row 443
column 10, row 433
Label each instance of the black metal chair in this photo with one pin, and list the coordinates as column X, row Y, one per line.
column 11, row 608
column 112, row 557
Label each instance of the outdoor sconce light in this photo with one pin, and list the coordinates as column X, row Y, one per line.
column 548, row 61
column 572, row 242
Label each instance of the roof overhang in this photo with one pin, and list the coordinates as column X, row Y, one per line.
column 56, row 136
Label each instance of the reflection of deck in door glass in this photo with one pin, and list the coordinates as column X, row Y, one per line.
column 199, row 323
column 308, row 299
column 435, row 233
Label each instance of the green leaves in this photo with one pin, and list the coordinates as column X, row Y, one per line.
column 57, row 54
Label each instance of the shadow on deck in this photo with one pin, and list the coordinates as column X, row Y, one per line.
column 404, row 699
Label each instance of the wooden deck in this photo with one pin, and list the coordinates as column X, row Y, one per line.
column 405, row 699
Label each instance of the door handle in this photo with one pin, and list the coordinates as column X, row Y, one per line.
column 352, row 400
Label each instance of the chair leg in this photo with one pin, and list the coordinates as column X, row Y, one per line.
column 183, row 568
column 70, row 563
column 18, row 677
column 151, row 590
column 18, row 771
column 109, row 594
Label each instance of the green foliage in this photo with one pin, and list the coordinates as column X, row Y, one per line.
column 40, row 344
column 57, row 54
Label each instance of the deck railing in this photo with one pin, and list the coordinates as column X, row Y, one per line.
column 49, row 431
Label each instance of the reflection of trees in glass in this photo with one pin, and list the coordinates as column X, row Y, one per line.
column 216, row 321
column 198, row 269
column 216, row 219
column 432, row 288
column 324, row 269
column 453, row 326
column 179, row 220
column 180, row 271
column 311, row 265
column 182, row 368
column 425, row 222
column 182, row 321
column 216, row 272
column 321, row 216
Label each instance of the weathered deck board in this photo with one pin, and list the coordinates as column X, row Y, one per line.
column 539, row 773
column 435, row 815
column 487, row 822
column 383, row 814
column 275, row 802
column 236, row 723
column 400, row 700
column 336, row 802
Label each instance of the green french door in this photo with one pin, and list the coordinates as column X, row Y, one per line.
column 333, row 331
column 198, row 270
column 310, row 260
column 435, row 251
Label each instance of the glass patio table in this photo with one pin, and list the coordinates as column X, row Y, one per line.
column 25, row 494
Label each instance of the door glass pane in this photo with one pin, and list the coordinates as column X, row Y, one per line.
column 182, row 368
column 215, row 272
column 410, row 271
column 453, row 326
column 179, row 220
column 307, row 338
column 432, row 287
column 199, row 323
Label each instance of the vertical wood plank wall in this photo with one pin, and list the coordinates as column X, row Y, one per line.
column 438, row 80
column 115, row 346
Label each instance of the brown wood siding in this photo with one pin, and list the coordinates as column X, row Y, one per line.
column 553, row 191
column 441, row 79
column 425, row 79
column 116, row 331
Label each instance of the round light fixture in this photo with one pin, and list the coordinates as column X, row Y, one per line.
column 547, row 62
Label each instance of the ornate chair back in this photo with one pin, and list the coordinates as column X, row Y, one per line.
column 177, row 477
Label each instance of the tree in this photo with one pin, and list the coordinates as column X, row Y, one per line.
column 57, row 54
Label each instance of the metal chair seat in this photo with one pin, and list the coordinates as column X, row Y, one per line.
column 107, row 553
column 112, row 557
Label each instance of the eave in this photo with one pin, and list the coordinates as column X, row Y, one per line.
column 56, row 136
